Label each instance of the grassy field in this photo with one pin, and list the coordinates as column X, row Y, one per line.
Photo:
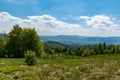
column 97, row 67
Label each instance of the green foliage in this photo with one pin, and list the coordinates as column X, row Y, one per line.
column 31, row 41
column 30, row 57
column 14, row 42
column 85, row 50
column 21, row 40
column 54, row 44
column 2, row 46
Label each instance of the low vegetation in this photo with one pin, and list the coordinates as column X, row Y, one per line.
column 97, row 67
column 30, row 57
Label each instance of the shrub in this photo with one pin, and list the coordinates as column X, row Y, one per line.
column 30, row 57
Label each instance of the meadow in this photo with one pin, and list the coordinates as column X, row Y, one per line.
column 95, row 67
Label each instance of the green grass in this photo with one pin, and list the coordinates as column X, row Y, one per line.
column 96, row 67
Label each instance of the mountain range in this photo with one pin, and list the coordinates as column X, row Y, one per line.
column 75, row 41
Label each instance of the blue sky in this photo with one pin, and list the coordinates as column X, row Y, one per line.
column 61, row 9
column 67, row 11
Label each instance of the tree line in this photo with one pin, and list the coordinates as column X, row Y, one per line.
column 95, row 49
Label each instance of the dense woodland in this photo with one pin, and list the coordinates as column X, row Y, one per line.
column 19, row 40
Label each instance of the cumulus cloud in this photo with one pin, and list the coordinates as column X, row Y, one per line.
column 99, row 25
column 102, row 25
column 45, row 25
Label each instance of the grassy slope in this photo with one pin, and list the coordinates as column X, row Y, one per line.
column 99, row 67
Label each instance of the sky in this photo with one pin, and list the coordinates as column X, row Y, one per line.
column 62, row 17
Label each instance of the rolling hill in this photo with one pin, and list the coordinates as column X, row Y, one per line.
column 54, row 44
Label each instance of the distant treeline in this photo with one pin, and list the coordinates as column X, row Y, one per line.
column 85, row 50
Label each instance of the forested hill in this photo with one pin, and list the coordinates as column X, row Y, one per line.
column 54, row 44
column 81, row 40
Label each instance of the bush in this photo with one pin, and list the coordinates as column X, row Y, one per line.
column 30, row 57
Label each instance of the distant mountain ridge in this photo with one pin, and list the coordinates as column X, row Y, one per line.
column 80, row 40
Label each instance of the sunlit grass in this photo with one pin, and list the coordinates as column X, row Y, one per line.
column 96, row 67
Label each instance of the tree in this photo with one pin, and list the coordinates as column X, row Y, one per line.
column 86, row 52
column 78, row 52
column 104, row 45
column 2, row 46
column 100, row 49
column 31, row 41
column 21, row 40
column 14, row 42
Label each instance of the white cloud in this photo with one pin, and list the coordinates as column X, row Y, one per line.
column 99, row 25
column 83, row 17
column 45, row 24
column 102, row 25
